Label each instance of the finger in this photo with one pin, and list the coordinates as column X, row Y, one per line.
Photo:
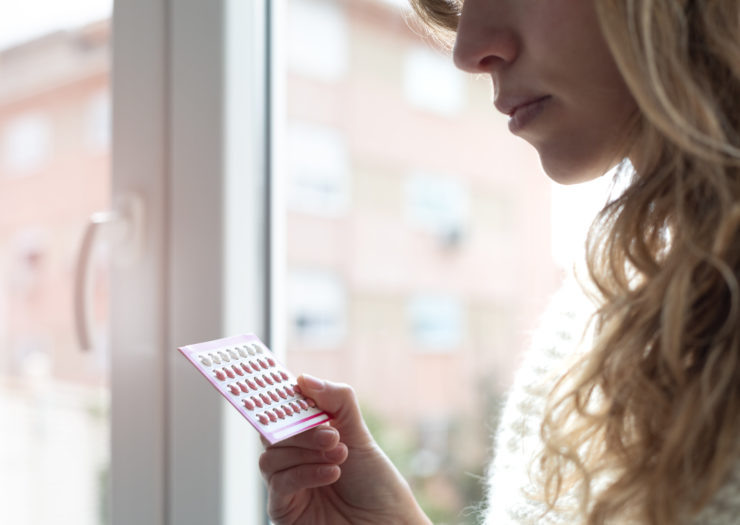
column 322, row 437
column 283, row 485
column 340, row 401
column 277, row 459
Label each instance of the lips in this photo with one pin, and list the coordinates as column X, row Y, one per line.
column 510, row 105
column 521, row 110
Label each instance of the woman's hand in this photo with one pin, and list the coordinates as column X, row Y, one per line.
column 335, row 474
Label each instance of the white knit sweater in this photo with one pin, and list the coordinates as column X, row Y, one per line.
column 517, row 442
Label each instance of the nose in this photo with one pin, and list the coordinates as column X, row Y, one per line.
column 486, row 39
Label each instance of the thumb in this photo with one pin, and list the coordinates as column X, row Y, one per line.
column 340, row 402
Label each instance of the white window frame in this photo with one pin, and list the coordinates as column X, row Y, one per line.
column 188, row 79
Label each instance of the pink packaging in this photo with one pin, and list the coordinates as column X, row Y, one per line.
column 252, row 379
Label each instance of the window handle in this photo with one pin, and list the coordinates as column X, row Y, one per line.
column 120, row 228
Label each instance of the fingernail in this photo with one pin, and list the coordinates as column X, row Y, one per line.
column 327, row 471
column 334, row 454
column 326, row 437
column 312, row 383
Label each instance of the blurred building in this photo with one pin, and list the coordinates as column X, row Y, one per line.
column 418, row 233
column 54, row 172
column 417, row 229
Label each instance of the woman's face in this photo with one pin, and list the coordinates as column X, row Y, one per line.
column 553, row 75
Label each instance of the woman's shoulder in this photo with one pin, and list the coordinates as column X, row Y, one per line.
column 563, row 334
column 559, row 338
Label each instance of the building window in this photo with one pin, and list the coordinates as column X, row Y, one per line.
column 98, row 122
column 436, row 322
column 438, row 204
column 27, row 141
column 318, row 168
column 317, row 39
column 317, row 306
column 431, row 82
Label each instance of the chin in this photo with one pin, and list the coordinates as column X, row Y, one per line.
column 569, row 171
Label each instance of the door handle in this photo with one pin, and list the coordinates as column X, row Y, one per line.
column 122, row 229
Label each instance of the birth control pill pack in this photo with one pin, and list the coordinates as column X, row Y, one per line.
column 252, row 379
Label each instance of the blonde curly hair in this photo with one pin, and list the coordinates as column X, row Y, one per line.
column 653, row 411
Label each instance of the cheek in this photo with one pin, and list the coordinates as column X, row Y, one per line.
column 592, row 132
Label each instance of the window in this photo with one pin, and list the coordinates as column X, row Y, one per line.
column 84, row 443
column 27, row 142
column 439, row 205
column 36, row 18
column 318, row 41
column 98, row 122
column 317, row 306
column 54, row 398
column 215, row 261
column 436, row 322
column 319, row 169
column 430, row 82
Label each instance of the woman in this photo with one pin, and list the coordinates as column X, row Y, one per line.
column 644, row 426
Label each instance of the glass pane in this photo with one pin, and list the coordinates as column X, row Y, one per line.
column 54, row 172
column 419, row 252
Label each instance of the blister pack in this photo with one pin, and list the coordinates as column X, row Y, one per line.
column 261, row 388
